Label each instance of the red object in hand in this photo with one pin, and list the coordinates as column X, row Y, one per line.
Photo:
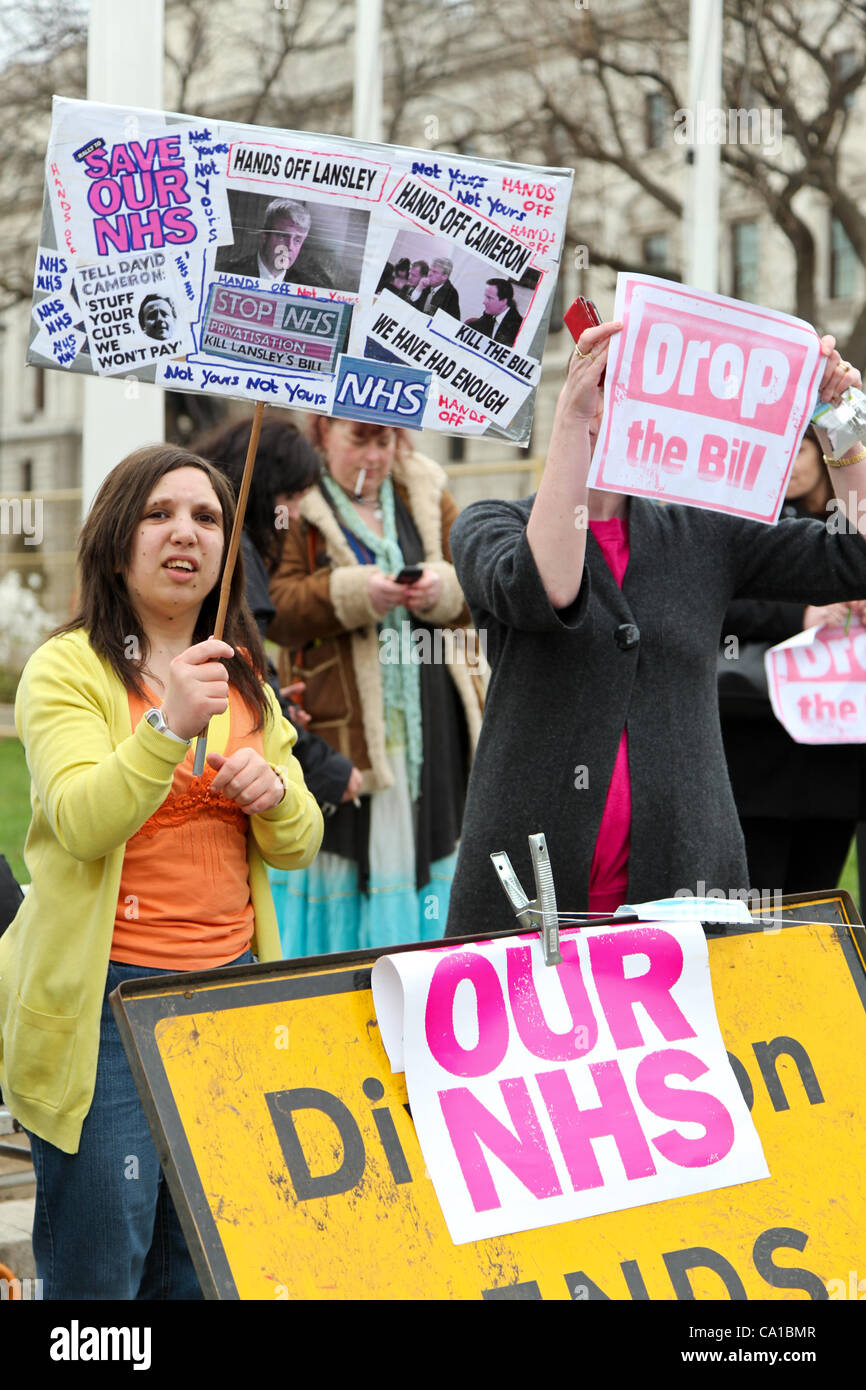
column 582, row 314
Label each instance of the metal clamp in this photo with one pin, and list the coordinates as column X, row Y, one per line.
column 541, row 911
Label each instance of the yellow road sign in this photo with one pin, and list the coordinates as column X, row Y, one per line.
column 294, row 1165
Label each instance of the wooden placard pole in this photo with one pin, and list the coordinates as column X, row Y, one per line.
column 234, row 546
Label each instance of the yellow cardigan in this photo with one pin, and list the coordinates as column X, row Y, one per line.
column 93, row 783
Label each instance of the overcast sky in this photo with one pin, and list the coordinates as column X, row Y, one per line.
column 29, row 29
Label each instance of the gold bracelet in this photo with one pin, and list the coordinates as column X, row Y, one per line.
column 845, row 463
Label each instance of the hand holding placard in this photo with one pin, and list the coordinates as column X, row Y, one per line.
column 838, row 375
column 582, row 392
column 198, row 687
column 834, row 614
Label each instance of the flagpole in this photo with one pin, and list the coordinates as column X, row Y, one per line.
column 701, row 222
column 231, row 559
column 367, row 111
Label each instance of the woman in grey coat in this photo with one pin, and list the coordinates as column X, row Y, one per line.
column 602, row 712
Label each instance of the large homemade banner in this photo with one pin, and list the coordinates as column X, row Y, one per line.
column 377, row 282
column 706, row 399
column 514, row 1068
column 817, row 684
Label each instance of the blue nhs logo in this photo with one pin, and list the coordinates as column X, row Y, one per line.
column 382, row 393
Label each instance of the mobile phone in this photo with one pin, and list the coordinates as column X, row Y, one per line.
column 582, row 314
column 410, row 575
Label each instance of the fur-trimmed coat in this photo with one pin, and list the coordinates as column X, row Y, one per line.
column 320, row 593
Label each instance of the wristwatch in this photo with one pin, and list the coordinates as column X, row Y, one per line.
column 156, row 720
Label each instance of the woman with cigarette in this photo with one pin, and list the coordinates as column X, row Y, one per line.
column 602, row 725
column 366, row 599
column 138, row 867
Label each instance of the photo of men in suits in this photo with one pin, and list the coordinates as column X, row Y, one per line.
column 500, row 320
column 417, row 271
column 435, row 290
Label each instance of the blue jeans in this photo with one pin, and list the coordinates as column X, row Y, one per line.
column 105, row 1226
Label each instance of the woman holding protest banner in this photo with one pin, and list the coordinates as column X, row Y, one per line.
column 138, row 868
column 603, row 615
column 363, row 591
column 798, row 803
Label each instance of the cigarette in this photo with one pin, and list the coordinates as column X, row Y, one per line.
column 356, row 801
column 359, row 486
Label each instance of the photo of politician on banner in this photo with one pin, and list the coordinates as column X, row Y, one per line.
column 296, row 242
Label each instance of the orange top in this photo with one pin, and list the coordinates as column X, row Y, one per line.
column 184, row 901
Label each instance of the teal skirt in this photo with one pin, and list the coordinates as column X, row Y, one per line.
column 320, row 909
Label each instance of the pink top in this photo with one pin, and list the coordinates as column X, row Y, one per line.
column 608, row 876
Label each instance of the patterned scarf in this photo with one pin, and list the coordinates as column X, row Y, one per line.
column 401, row 680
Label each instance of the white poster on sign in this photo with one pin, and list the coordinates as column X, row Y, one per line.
column 482, row 380
column 817, row 684
column 135, row 311
column 545, row 1094
column 706, row 399
column 52, row 273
